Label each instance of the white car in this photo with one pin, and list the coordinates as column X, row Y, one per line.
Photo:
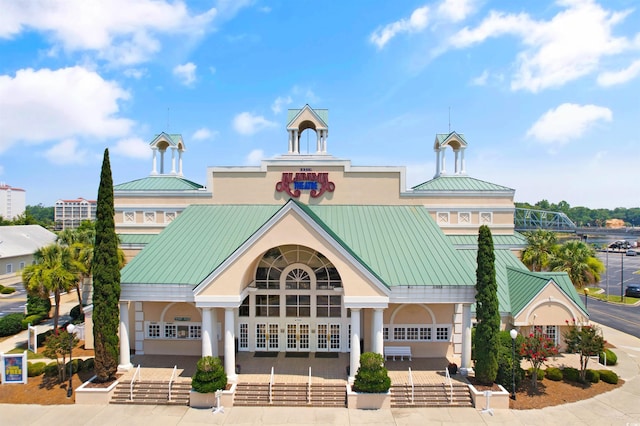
column 631, row 253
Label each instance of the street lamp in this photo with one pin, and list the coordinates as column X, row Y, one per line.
column 586, row 293
column 513, row 333
column 70, row 329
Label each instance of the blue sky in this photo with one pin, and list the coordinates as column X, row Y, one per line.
column 546, row 93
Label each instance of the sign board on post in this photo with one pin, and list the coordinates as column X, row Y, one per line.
column 32, row 338
column 14, row 367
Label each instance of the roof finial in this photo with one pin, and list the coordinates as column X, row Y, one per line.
column 168, row 121
column 449, row 119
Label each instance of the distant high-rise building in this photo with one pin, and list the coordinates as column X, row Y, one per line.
column 12, row 201
column 69, row 213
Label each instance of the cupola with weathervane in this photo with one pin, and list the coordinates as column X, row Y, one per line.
column 458, row 144
column 160, row 144
column 299, row 120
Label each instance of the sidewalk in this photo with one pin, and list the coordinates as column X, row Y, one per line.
column 617, row 407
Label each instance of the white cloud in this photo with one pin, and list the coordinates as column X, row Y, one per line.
column 45, row 105
column 120, row 31
column 568, row 46
column 136, row 73
column 133, row 148
column 456, row 10
column 66, row 152
column 480, row 80
column 246, row 123
column 186, row 73
column 416, row 22
column 568, row 121
column 308, row 96
column 611, row 78
column 280, row 101
column 203, row 134
column 254, row 157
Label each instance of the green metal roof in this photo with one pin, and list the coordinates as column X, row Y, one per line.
column 524, row 285
column 401, row 245
column 174, row 138
column 441, row 137
column 516, row 240
column 136, row 238
column 504, row 259
column 158, row 183
column 323, row 114
column 459, row 183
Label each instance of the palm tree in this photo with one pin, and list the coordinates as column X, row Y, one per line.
column 540, row 248
column 80, row 242
column 579, row 261
column 55, row 271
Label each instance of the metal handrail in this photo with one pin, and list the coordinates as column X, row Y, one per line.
column 271, row 387
column 448, row 382
column 172, row 379
column 411, row 384
column 309, row 387
column 137, row 374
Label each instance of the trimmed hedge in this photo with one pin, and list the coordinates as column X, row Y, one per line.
column 33, row 320
column 75, row 365
column 553, row 374
column 51, row 369
column 88, row 364
column 608, row 376
column 7, row 290
column 11, row 324
column 209, row 376
column 35, row 368
column 612, row 358
column 372, row 376
column 76, row 314
column 571, row 374
column 540, row 373
column 592, row 376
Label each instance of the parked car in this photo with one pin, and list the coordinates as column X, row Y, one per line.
column 631, row 253
column 633, row 290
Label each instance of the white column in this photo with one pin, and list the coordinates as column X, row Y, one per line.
column 180, row 163
column 377, row 340
column 229, row 345
column 325, row 135
column 437, row 163
column 173, row 160
column 207, row 331
column 462, row 167
column 162, row 152
column 125, row 350
column 455, row 162
column 154, row 171
column 214, row 333
column 466, row 336
column 318, row 141
column 354, row 363
column 290, row 141
column 443, row 169
column 296, row 142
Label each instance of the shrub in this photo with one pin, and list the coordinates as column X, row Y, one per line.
column 540, row 373
column 88, row 364
column 42, row 337
column 554, row 374
column 11, row 324
column 612, row 358
column 209, row 376
column 7, row 290
column 571, row 374
column 38, row 305
column 51, row 369
column 608, row 376
column 592, row 376
column 75, row 365
column 505, row 375
column 372, row 376
column 31, row 319
column 76, row 314
column 35, row 368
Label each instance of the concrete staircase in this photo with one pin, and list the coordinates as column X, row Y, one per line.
column 290, row 395
column 152, row 392
column 431, row 395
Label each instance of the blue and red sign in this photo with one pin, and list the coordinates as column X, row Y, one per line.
column 317, row 183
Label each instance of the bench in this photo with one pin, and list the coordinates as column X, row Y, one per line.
column 394, row 351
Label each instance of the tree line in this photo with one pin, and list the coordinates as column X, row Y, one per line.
column 584, row 216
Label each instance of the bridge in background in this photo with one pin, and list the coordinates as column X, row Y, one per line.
column 531, row 220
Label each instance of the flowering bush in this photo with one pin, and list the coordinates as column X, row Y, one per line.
column 585, row 340
column 537, row 348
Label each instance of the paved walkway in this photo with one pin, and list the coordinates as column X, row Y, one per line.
column 617, row 407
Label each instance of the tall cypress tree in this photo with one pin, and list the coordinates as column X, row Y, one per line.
column 487, row 310
column 106, row 280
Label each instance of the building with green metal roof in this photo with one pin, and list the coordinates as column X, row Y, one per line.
column 309, row 253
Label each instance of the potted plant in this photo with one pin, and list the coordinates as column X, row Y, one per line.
column 208, row 378
column 370, row 389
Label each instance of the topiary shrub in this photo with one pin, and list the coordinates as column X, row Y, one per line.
column 554, row 374
column 608, row 376
column 209, row 376
column 11, row 324
column 88, row 364
column 540, row 374
column 612, row 358
column 77, row 314
column 372, row 376
column 571, row 374
column 51, row 369
column 31, row 319
column 8, row 290
column 75, row 365
column 592, row 376
column 35, row 368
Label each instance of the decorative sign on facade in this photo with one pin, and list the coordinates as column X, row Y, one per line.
column 305, row 180
column 14, row 367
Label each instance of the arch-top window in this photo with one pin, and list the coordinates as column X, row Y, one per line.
column 276, row 260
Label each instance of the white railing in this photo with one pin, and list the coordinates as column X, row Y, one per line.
column 448, row 382
column 309, row 387
column 172, row 379
column 271, row 387
column 133, row 380
column 411, row 384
